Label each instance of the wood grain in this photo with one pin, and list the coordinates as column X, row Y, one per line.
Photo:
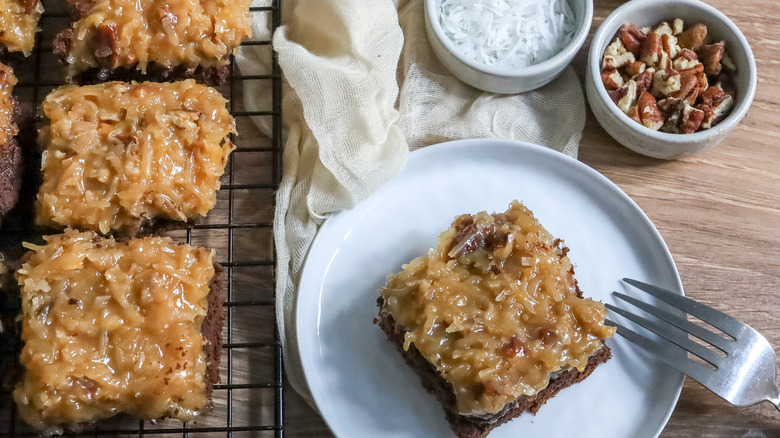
column 718, row 212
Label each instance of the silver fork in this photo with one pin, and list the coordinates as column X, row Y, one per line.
column 743, row 371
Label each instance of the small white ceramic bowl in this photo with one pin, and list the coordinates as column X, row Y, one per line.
column 649, row 13
column 503, row 80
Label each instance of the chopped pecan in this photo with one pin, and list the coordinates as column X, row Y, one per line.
column 669, row 43
column 29, row 5
column 688, row 54
column 106, row 44
column 618, row 94
column 514, row 348
column 682, row 64
column 713, row 116
column 611, row 79
column 617, row 56
column 691, row 120
column 636, row 68
column 711, row 55
column 649, row 113
column 644, row 81
column 664, row 29
column 718, row 101
column 632, row 38
column 627, row 101
column 713, row 96
column 677, row 26
column 701, row 79
column 692, row 38
column 680, row 117
column 652, row 49
column 689, row 88
column 709, row 116
column 633, row 112
column 665, row 82
column 672, row 110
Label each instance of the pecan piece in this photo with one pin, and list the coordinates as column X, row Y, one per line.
column 29, row 5
column 634, row 114
column 672, row 110
column 713, row 96
column 684, row 65
column 691, row 120
column 677, row 26
column 688, row 54
column 514, row 348
column 617, row 95
column 669, row 43
column 649, row 113
column 666, row 82
column 632, row 37
column 681, row 118
column 711, row 55
column 652, row 49
column 692, row 38
column 106, row 44
column 636, row 68
column 709, row 116
column 719, row 102
column 687, row 59
column 689, row 88
column 616, row 56
column 627, row 100
column 702, row 81
column 644, row 81
column 611, row 79
column 664, row 29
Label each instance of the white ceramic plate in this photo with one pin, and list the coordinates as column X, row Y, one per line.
column 361, row 384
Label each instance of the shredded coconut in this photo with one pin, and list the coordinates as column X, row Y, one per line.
column 507, row 33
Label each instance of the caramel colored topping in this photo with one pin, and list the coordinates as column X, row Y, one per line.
column 18, row 23
column 120, row 154
column 167, row 32
column 112, row 327
column 495, row 309
column 8, row 128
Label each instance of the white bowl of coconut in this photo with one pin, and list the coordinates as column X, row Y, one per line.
column 507, row 46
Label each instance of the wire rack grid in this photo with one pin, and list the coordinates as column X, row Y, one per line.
column 249, row 401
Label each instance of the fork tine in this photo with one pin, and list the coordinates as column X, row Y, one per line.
column 669, row 334
column 715, row 318
column 666, row 351
column 725, row 345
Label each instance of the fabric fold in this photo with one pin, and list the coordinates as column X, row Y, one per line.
column 339, row 60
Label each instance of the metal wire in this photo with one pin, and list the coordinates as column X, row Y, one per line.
column 240, row 396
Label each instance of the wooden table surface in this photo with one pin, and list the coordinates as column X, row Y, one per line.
column 719, row 213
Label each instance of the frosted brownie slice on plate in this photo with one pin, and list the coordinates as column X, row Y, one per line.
column 18, row 24
column 160, row 40
column 112, row 327
column 119, row 156
column 492, row 319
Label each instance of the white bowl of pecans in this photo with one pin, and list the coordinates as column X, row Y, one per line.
column 668, row 78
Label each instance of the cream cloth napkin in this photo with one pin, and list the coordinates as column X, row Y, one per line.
column 362, row 88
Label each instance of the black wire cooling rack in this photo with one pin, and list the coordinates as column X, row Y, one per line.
column 249, row 401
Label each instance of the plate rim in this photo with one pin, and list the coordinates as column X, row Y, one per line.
column 472, row 143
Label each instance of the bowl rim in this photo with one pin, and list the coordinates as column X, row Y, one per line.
column 562, row 57
column 737, row 113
